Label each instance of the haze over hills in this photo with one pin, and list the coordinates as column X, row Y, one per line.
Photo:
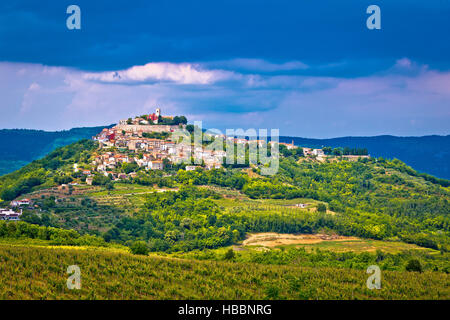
column 427, row 154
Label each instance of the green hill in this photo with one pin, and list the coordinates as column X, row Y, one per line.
column 393, row 217
column 19, row 147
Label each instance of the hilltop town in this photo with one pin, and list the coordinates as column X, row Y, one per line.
column 147, row 141
column 136, row 146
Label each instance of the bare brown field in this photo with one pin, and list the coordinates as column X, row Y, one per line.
column 271, row 239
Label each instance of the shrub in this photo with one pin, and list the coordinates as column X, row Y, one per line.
column 414, row 265
column 321, row 207
column 229, row 255
column 140, row 247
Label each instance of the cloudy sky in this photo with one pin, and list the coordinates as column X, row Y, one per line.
column 309, row 68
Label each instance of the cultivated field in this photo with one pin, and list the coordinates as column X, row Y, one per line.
column 40, row 273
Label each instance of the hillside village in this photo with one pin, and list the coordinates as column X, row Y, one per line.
column 147, row 142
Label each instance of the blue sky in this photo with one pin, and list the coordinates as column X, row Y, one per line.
column 309, row 68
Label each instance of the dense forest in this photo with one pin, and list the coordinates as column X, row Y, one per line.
column 19, row 147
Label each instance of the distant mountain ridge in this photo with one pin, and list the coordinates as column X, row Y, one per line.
column 429, row 154
column 19, row 147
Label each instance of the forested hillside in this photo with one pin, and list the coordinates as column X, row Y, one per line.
column 21, row 146
column 369, row 198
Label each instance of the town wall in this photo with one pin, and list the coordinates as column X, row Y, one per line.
column 146, row 128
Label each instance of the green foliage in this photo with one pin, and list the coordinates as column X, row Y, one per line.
column 321, row 207
column 175, row 221
column 101, row 180
column 129, row 167
column 40, row 273
column 414, row 265
column 175, row 121
column 22, row 186
column 284, row 151
column 345, row 151
column 370, row 198
column 109, row 186
column 18, row 147
column 55, row 236
column 156, row 135
column 139, row 247
column 42, row 172
column 415, row 211
column 328, row 258
column 229, row 255
column 62, row 179
column 360, row 192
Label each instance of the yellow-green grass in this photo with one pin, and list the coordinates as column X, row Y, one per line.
column 40, row 273
column 27, row 242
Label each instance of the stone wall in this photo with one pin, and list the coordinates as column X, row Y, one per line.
column 146, row 128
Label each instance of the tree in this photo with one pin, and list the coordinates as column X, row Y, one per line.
column 129, row 167
column 100, row 180
column 337, row 151
column 109, row 186
column 321, row 207
column 414, row 265
column 190, row 128
column 140, row 247
column 229, row 255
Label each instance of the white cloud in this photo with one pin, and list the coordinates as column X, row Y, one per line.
column 182, row 73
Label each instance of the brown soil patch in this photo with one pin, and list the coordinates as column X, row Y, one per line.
column 271, row 239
